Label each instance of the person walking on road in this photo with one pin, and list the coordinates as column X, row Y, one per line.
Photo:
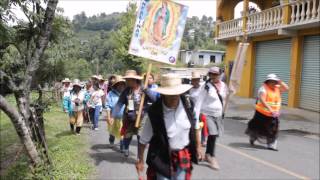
column 194, row 94
column 210, row 103
column 87, row 96
column 75, row 106
column 131, row 98
column 170, row 130
column 265, row 123
column 115, row 124
column 65, row 91
column 96, row 100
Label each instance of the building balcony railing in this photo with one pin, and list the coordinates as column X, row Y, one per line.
column 295, row 15
column 230, row 28
column 265, row 20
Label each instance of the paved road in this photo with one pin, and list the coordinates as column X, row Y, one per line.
column 298, row 157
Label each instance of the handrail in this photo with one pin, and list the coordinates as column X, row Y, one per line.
column 302, row 12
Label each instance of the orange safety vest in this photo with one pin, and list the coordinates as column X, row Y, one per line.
column 273, row 99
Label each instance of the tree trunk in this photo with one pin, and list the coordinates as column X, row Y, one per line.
column 20, row 118
column 22, row 130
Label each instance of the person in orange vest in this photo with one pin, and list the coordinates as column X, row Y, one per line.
column 265, row 123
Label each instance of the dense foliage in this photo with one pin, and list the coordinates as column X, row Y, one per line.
column 99, row 44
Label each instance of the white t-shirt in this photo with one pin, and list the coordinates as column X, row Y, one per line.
column 66, row 91
column 177, row 127
column 97, row 97
column 80, row 97
column 194, row 94
column 262, row 90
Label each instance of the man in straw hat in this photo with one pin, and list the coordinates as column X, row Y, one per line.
column 75, row 106
column 172, row 133
column 131, row 98
column 115, row 124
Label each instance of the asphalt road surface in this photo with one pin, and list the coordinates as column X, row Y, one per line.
column 297, row 158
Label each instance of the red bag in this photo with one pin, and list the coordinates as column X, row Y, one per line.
column 203, row 119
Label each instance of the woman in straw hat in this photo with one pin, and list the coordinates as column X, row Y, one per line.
column 210, row 103
column 115, row 120
column 265, row 123
column 75, row 106
column 131, row 98
column 172, row 134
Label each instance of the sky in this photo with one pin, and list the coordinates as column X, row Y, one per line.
column 92, row 7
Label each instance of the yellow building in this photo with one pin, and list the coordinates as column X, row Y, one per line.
column 284, row 37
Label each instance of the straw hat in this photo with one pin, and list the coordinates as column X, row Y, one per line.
column 94, row 77
column 272, row 77
column 195, row 75
column 118, row 79
column 214, row 70
column 76, row 82
column 100, row 77
column 171, row 84
column 132, row 74
column 66, row 80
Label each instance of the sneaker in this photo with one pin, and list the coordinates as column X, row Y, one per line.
column 126, row 153
column 272, row 146
column 96, row 129
column 112, row 145
column 213, row 164
column 78, row 134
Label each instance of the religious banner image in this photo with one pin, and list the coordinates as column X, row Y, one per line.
column 158, row 30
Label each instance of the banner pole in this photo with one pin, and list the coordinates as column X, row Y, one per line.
column 236, row 64
column 138, row 120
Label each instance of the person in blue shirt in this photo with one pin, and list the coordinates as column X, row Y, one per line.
column 153, row 95
column 114, row 119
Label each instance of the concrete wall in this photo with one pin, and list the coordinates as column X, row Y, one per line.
column 185, row 56
column 206, row 58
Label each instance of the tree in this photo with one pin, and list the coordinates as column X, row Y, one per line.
column 29, row 40
column 122, row 38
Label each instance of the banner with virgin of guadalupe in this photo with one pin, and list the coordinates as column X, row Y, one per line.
column 158, row 30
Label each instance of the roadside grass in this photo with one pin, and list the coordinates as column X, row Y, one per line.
column 67, row 151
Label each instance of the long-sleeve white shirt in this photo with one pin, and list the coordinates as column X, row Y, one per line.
column 208, row 102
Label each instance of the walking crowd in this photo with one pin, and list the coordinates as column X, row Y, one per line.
column 177, row 119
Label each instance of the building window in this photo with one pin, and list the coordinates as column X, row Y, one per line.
column 200, row 56
column 212, row 59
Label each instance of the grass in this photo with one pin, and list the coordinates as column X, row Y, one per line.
column 67, row 151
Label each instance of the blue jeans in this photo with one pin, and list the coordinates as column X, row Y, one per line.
column 179, row 175
column 127, row 142
column 96, row 116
